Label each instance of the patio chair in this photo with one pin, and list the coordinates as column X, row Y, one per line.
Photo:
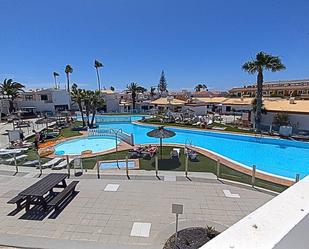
column 62, row 164
column 175, row 153
column 52, row 162
column 18, row 158
column 192, row 155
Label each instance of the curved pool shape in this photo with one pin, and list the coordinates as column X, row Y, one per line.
column 78, row 145
column 274, row 156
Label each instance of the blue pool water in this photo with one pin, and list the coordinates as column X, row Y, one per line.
column 275, row 156
column 76, row 146
column 113, row 165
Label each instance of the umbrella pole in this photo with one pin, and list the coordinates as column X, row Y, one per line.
column 161, row 148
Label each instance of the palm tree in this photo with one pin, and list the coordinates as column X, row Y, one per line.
column 68, row 70
column 87, row 103
column 55, row 77
column 96, row 102
column 152, row 92
column 97, row 65
column 77, row 96
column 134, row 89
column 11, row 89
column 262, row 62
column 198, row 87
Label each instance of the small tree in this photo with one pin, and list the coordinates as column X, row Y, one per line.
column 96, row 102
column 112, row 88
column 281, row 118
column 162, row 86
column 77, row 96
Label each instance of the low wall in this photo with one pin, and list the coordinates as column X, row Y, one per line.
column 281, row 223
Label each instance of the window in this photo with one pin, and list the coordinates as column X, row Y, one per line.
column 228, row 109
column 28, row 97
column 44, row 97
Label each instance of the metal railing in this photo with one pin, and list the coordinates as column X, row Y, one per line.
column 113, row 119
column 128, row 138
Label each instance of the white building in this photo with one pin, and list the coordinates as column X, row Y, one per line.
column 44, row 100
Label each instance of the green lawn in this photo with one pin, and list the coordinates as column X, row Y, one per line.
column 203, row 164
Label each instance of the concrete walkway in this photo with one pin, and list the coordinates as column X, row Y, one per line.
column 107, row 211
column 4, row 141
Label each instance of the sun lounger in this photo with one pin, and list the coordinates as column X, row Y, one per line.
column 31, row 163
column 21, row 157
column 63, row 164
column 52, row 162
column 149, row 152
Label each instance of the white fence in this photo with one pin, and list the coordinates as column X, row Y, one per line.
column 128, row 138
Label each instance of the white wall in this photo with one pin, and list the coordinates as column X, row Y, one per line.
column 198, row 110
column 281, row 223
column 58, row 97
column 236, row 108
column 300, row 121
column 112, row 103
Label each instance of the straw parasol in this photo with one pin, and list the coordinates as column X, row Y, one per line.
column 161, row 133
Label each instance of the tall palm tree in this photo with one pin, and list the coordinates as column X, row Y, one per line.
column 262, row 62
column 97, row 65
column 68, row 69
column 77, row 96
column 55, row 78
column 134, row 89
column 11, row 89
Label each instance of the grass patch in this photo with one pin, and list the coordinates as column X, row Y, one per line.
column 202, row 164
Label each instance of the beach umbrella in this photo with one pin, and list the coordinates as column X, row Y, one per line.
column 161, row 133
column 46, row 120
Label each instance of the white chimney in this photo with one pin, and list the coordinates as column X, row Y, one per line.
column 292, row 100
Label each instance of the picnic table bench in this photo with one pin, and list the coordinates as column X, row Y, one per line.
column 35, row 194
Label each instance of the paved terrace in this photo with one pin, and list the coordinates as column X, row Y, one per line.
column 114, row 212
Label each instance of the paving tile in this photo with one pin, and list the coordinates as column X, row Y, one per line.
column 140, row 229
column 111, row 187
column 228, row 194
column 170, row 178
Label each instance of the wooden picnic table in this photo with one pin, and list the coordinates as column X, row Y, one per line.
column 35, row 193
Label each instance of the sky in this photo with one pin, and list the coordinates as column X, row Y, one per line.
column 193, row 41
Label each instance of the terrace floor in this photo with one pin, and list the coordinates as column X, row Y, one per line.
column 125, row 214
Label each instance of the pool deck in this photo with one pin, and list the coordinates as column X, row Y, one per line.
column 96, row 218
column 224, row 160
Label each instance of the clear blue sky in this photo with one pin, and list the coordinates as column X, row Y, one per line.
column 194, row 41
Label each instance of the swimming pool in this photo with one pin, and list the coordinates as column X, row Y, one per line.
column 113, row 165
column 274, row 156
column 76, row 146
